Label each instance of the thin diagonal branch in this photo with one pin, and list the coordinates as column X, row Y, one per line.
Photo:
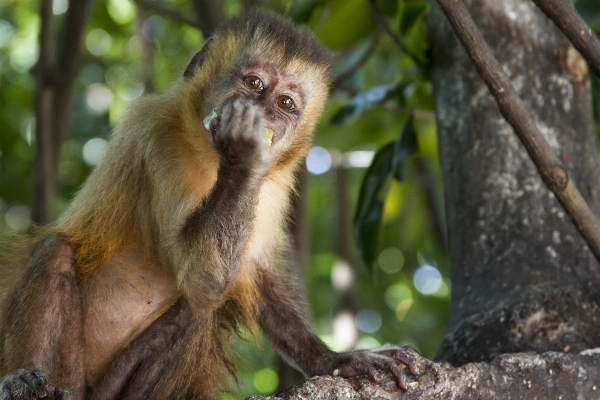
column 574, row 27
column 553, row 172
column 381, row 21
column 164, row 9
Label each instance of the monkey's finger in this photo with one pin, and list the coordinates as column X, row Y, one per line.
column 408, row 360
column 359, row 367
column 389, row 364
column 410, row 350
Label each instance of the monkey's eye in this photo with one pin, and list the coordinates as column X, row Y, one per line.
column 254, row 83
column 285, row 102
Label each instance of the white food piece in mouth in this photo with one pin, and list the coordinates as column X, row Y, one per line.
column 206, row 121
column 269, row 134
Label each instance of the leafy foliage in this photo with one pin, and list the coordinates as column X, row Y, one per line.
column 390, row 161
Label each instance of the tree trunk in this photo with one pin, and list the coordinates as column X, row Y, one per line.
column 521, row 273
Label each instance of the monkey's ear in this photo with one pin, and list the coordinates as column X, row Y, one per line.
column 196, row 61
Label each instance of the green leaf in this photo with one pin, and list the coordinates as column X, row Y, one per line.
column 369, row 214
column 404, row 147
column 387, row 7
column 344, row 23
column 411, row 11
column 301, row 10
column 365, row 100
column 390, row 161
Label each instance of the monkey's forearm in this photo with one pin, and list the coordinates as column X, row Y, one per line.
column 214, row 235
column 288, row 329
column 221, row 224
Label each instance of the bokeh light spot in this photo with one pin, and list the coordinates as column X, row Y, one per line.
column 397, row 293
column 99, row 98
column 318, row 160
column 265, row 380
column 93, row 150
column 17, row 217
column 98, row 42
column 368, row 320
column 427, row 279
column 344, row 331
column 391, row 260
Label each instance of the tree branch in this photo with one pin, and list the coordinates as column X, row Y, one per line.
column 553, row 172
column 68, row 63
column 380, row 19
column 521, row 376
column 574, row 27
column 164, row 9
column 210, row 13
column 44, row 72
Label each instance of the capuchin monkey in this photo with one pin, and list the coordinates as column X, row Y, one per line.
column 178, row 237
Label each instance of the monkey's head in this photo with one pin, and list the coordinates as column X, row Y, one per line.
column 263, row 58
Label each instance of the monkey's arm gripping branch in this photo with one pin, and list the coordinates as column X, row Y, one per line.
column 282, row 320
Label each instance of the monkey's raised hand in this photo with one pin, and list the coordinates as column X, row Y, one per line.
column 240, row 136
column 30, row 384
column 366, row 362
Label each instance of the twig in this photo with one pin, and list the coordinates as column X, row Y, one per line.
column 553, row 172
column 574, row 27
column 381, row 21
column 164, row 9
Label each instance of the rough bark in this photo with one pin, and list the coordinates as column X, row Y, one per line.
column 521, row 376
column 521, row 273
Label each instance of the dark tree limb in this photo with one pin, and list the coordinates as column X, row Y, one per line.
column 147, row 51
column 574, row 27
column 166, row 10
column 210, row 13
column 551, row 169
column 55, row 79
column 67, row 68
column 44, row 160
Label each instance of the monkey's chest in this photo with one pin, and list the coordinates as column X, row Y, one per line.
column 121, row 299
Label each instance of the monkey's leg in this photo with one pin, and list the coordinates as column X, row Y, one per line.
column 172, row 358
column 213, row 236
column 283, row 322
column 42, row 327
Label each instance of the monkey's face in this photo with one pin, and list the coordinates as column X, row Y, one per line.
column 263, row 62
column 280, row 95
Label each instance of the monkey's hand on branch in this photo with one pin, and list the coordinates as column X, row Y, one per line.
column 367, row 362
column 240, row 137
column 30, row 383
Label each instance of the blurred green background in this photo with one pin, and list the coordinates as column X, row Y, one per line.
column 382, row 64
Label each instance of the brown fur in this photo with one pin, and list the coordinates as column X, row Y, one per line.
column 162, row 248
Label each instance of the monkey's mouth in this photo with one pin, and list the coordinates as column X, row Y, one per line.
column 212, row 122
